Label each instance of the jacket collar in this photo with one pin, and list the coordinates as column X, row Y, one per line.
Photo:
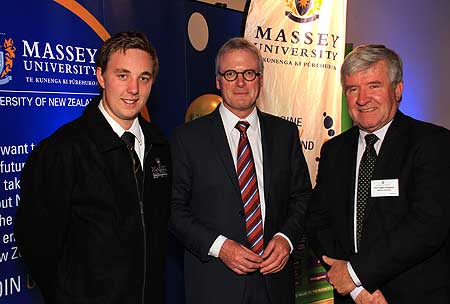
column 220, row 143
column 105, row 138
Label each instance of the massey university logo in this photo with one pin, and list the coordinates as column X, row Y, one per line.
column 303, row 11
column 7, row 54
column 158, row 169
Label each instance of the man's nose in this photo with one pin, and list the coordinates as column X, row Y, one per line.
column 133, row 86
column 363, row 97
column 240, row 81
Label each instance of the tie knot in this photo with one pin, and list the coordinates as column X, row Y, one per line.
column 128, row 138
column 242, row 126
column 371, row 139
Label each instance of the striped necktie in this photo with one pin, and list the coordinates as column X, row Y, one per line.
column 248, row 185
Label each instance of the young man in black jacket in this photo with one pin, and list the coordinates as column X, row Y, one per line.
column 92, row 223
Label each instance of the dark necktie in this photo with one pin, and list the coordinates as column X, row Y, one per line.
column 248, row 185
column 366, row 167
column 128, row 138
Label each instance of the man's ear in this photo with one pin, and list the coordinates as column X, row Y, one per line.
column 217, row 83
column 398, row 90
column 99, row 75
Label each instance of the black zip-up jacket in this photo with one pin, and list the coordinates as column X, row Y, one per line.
column 80, row 227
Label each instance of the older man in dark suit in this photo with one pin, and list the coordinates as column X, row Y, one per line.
column 380, row 210
column 240, row 191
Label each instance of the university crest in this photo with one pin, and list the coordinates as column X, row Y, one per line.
column 7, row 55
column 303, row 11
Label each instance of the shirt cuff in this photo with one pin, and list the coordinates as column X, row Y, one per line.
column 216, row 246
column 353, row 275
column 287, row 239
column 355, row 292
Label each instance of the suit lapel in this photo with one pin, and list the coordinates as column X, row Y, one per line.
column 348, row 165
column 391, row 152
column 392, row 146
column 220, row 145
column 266, row 142
column 268, row 155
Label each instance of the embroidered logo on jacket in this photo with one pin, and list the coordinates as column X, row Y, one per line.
column 158, row 169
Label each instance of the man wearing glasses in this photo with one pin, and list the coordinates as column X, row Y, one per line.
column 240, row 190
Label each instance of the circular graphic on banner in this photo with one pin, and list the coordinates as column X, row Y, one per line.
column 198, row 31
column 328, row 123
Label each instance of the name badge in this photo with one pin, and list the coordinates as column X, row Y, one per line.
column 384, row 187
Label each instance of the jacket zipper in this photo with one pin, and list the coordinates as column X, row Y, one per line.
column 141, row 209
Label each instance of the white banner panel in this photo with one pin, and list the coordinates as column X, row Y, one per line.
column 303, row 45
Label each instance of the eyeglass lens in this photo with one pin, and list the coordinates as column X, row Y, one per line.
column 232, row 75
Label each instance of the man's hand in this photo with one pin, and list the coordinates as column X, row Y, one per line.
column 379, row 297
column 275, row 255
column 365, row 297
column 338, row 275
column 238, row 258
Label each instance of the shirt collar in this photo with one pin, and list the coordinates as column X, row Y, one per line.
column 380, row 133
column 230, row 120
column 135, row 127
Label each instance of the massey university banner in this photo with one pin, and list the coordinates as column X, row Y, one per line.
column 303, row 45
column 47, row 77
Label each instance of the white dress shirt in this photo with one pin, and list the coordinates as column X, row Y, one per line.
column 229, row 121
column 381, row 133
column 139, row 145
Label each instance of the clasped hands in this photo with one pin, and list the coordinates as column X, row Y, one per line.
column 242, row 260
column 341, row 280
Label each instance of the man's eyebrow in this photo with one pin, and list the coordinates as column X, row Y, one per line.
column 121, row 70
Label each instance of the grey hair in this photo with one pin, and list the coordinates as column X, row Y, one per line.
column 239, row 43
column 364, row 56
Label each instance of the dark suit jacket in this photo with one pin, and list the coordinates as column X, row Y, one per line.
column 405, row 248
column 206, row 202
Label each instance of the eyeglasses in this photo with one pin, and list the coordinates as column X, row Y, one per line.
column 232, row 75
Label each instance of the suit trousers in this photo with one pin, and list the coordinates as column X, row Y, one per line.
column 255, row 291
